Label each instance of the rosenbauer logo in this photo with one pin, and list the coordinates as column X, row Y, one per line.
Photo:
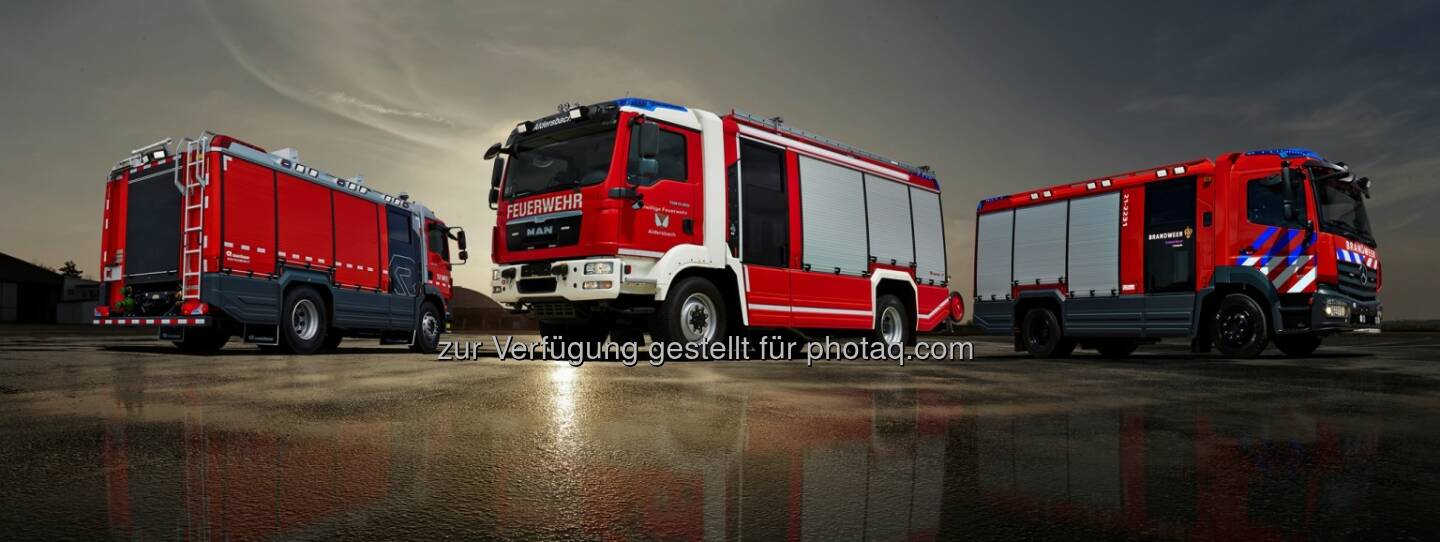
column 540, row 206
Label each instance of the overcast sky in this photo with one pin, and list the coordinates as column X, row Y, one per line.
column 997, row 97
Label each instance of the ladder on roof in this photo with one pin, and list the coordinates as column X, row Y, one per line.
column 193, row 178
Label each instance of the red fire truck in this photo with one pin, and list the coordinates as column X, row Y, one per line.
column 215, row 238
column 1232, row 253
column 636, row 214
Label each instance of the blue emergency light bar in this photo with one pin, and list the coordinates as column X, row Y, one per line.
column 1294, row 152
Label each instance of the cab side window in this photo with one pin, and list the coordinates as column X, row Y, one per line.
column 438, row 241
column 672, row 157
column 1265, row 203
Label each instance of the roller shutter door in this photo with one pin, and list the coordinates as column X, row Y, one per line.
column 887, row 206
column 1040, row 243
column 1095, row 245
column 832, row 202
column 992, row 255
column 929, row 236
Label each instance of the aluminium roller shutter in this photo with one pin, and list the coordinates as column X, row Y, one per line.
column 1094, row 266
column 832, row 204
column 1040, row 243
column 992, row 255
column 887, row 207
column 929, row 236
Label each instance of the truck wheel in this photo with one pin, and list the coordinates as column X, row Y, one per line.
column 1116, row 349
column 1240, row 328
column 1297, row 345
column 203, row 340
column 428, row 328
column 332, row 339
column 891, row 323
column 1041, row 334
column 304, row 321
column 693, row 312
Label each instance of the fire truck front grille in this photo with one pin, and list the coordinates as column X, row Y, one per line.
column 553, row 311
column 1356, row 281
column 536, row 286
column 554, row 230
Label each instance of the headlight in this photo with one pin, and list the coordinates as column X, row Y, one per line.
column 599, row 268
column 495, row 274
column 1337, row 309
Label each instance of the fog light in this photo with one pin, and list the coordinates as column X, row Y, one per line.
column 495, row 274
column 599, row 268
column 596, row 285
column 1337, row 309
column 496, row 289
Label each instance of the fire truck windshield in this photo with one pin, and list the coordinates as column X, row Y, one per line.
column 546, row 162
column 1342, row 210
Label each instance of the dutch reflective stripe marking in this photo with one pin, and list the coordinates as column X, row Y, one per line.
column 1290, row 271
column 1304, row 282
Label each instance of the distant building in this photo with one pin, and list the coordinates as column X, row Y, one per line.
column 474, row 311
column 78, row 298
column 29, row 294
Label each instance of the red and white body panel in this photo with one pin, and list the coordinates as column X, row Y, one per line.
column 649, row 250
column 259, row 214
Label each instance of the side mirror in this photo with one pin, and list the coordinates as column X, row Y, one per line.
column 493, row 151
column 647, row 142
column 495, row 174
column 464, row 255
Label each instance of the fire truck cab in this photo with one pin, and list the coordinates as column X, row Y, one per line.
column 1232, row 253
column 633, row 215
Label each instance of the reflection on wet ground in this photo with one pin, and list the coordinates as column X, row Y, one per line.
column 127, row 440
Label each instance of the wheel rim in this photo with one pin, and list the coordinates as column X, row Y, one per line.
column 1237, row 328
column 430, row 326
column 698, row 318
column 305, row 320
column 1039, row 333
column 892, row 327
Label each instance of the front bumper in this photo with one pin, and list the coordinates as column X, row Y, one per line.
column 1363, row 315
column 566, row 280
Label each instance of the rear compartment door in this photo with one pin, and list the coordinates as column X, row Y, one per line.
column 152, row 232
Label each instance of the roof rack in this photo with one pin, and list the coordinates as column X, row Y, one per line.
column 923, row 172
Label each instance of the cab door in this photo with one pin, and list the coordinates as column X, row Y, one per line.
column 1169, row 256
column 403, row 267
column 1267, row 237
column 437, row 257
column 670, row 207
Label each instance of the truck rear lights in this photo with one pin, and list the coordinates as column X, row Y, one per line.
column 195, row 308
column 102, row 311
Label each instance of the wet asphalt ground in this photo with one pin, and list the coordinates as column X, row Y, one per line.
column 115, row 436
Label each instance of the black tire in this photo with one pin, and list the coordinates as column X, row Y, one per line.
column 1041, row 334
column 304, row 321
column 1239, row 328
column 429, row 325
column 203, row 340
column 1116, row 349
column 1297, row 345
column 892, row 321
column 332, row 340
column 693, row 311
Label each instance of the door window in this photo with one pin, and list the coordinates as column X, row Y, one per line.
column 671, row 158
column 765, row 209
column 1265, row 203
